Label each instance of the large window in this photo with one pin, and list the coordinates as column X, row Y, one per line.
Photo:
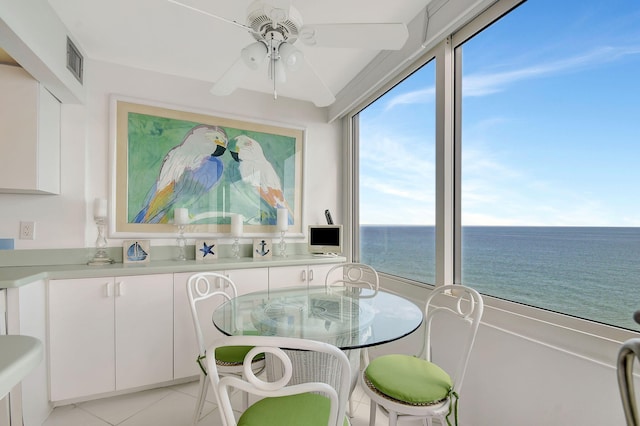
column 397, row 174
column 545, row 173
column 550, row 146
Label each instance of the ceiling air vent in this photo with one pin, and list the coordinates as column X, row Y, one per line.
column 74, row 60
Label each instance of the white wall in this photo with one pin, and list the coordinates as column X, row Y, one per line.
column 322, row 148
column 32, row 33
column 65, row 221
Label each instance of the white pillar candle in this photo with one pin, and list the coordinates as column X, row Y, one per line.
column 181, row 216
column 283, row 219
column 236, row 225
column 100, row 207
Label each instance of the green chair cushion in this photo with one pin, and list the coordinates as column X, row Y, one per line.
column 232, row 354
column 409, row 379
column 308, row 409
column 236, row 354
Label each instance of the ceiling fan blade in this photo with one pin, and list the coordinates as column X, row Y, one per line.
column 280, row 4
column 321, row 95
column 230, row 79
column 229, row 21
column 390, row 36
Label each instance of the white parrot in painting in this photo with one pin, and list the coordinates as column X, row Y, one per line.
column 188, row 171
column 257, row 172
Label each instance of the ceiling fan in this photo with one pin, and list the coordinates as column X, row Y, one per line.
column 276, row 26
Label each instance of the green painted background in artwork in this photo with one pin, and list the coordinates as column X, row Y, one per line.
column 150, row 138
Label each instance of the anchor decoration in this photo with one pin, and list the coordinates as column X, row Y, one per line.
column 262, row 251
column 261, row 248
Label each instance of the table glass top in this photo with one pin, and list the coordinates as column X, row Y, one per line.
column 346, row 318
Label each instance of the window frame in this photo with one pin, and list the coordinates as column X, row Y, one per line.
column 482, row 21
column 552, row 329
column 352, row 155
column 448, row 146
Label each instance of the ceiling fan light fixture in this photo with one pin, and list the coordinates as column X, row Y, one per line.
column 253, row 55
column 290, row 56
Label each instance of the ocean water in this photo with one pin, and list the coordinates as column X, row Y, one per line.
column 587, row 272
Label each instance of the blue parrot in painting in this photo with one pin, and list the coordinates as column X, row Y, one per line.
column 257, row 173
column 188, row 171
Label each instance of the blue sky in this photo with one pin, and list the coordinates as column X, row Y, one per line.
column 551, row 124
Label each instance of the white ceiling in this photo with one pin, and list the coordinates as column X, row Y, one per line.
column 158, row 35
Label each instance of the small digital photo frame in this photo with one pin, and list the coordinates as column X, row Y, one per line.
column 325, row 239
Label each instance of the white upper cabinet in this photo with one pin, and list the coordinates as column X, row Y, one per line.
column 29, row 135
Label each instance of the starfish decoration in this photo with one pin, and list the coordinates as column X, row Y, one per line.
column 207, row 249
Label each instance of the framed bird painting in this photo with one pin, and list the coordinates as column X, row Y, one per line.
column 166, row 158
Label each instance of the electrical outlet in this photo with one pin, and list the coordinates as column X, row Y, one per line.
column 27, row 230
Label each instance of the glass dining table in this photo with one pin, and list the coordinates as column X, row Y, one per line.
column 347, row 318
column 351, row 319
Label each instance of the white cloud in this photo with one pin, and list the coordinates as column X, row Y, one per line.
column 417, row 193
column 398, row 185
column 421, row 96
column 482, row 84
column 496, row 191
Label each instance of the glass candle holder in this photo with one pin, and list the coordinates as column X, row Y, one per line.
column 101, row 257
column 283, row 245
column 181, row 244
column 235, row 248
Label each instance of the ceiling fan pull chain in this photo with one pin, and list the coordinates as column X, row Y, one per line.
column 273, row 74
column 272, row 65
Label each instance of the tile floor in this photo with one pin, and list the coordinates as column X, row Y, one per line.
column 170, row 406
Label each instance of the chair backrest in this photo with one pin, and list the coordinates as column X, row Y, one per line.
column 207, row 290
column 629, row 351
column 465, row 304
column 354, row 275
column 273, row 345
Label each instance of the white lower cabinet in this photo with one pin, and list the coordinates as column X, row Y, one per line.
column 109, row 334
column 290, row 276
column 144, row 330
column 186, row 348
column 116, row 333
column 81, row 337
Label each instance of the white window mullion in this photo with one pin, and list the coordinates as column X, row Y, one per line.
column 351, row 185
column 445, row 164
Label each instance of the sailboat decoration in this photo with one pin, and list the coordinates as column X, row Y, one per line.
column 136, row 251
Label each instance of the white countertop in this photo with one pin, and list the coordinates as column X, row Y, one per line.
column 17, row 276
column 19, row 355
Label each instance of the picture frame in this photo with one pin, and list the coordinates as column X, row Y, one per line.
column 262, row 248
column 206, row 250
column 136, row 251
column 166, row 157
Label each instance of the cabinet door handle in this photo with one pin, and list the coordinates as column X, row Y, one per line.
column 310, row 275
column 107, row 290
column 303, row 275
column 120, row 289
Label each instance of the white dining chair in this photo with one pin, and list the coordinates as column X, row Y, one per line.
column 410, row 386
column 206, row 291
column 280, row 403
column 627, row 355
column 354, row 276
